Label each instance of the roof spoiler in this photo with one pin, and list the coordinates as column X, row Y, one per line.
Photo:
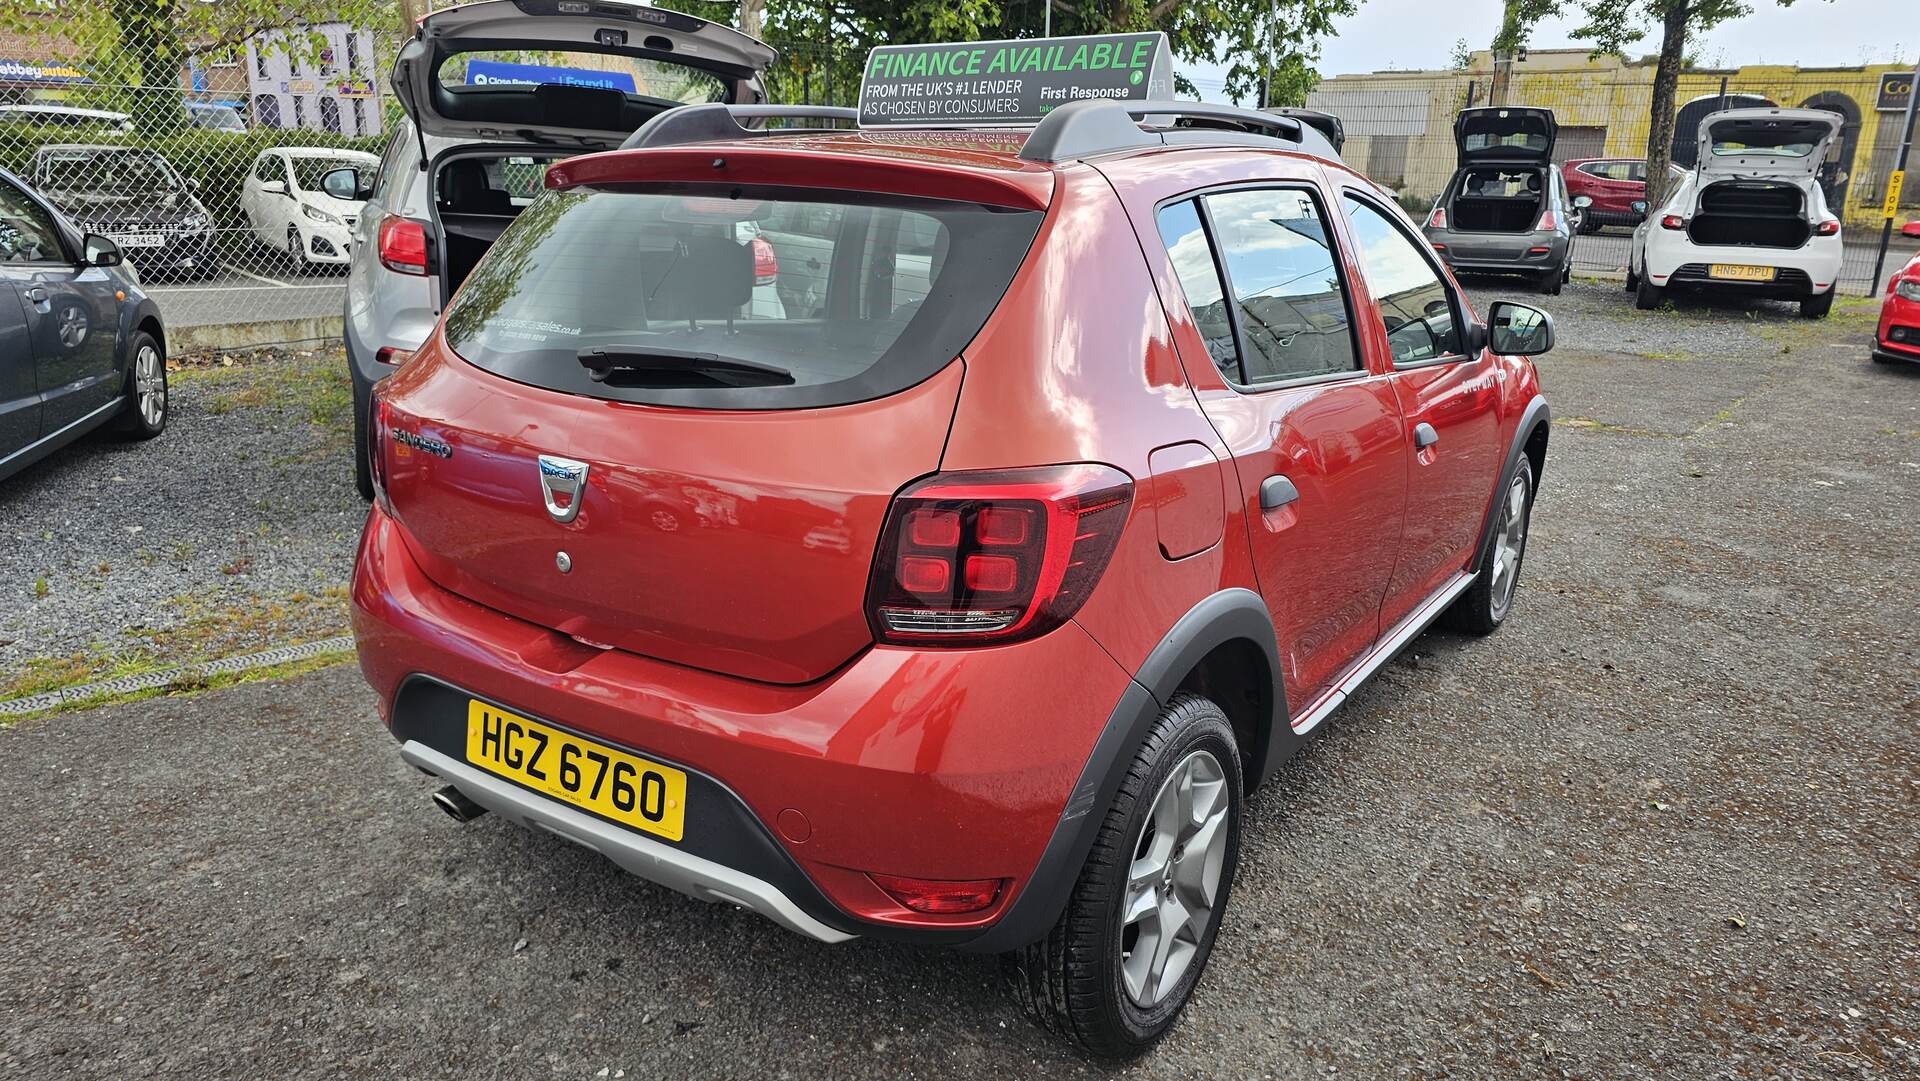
column 1093, row 126
column 717, row 121
column 1325, row 123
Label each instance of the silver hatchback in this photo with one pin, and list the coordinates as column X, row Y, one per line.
column 482, row 126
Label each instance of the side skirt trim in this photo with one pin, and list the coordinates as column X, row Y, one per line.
column 1385, row 650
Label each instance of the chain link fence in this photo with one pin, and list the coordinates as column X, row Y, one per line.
column 211, row 184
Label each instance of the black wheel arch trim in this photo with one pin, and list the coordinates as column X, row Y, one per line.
column 1535, row 415
column 1222, row 617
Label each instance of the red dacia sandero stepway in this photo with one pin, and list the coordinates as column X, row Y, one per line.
column 960, row 585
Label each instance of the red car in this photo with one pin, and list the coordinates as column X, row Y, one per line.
column 1617, row 188
column 964, row 601
column 1898, row 336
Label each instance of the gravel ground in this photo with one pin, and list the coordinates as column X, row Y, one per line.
column 1665, row 824
column 234, row 527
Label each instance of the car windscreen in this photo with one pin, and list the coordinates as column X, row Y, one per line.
column 111, row 171
column 630, row 75
column 735, row 297
column 1749, row 141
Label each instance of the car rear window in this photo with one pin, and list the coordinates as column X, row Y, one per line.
column 735, row 298
column 638, row 76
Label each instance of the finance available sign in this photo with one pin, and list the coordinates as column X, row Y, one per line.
column 1010, row 83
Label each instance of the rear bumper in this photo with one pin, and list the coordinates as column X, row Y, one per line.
column 1499, row 253
column 937, row 764
column 655, row 861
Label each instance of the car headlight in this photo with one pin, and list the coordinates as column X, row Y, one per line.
column 1908, row 288
column 314, row 213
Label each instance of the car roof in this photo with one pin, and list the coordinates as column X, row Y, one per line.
column 64, row 110
column 118, row 148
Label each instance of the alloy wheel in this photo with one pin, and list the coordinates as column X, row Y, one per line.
column 150, row 385
column 1174, row 880
column 1510, row 543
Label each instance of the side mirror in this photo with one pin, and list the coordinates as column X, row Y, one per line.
column 1515, row 330
column 102, row 252
column 1639, row 206
column 345, row 184
column 274, row 187
column 1583, row 201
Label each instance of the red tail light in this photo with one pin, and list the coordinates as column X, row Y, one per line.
column 1827, row 228
column 403, row 245
column 995, row 556
column 1673, row 221
column 390, row 355
column 935, row 896
column 1437, row 219
column 766, row 267
column 1548, row 222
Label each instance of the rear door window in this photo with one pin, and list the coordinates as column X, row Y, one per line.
column 730, row 297
column 1261, row 279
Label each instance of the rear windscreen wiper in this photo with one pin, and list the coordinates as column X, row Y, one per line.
column 641, row 365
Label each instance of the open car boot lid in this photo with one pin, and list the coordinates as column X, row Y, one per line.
column 676, row 59
column 1504, row 133
column 1765, row 143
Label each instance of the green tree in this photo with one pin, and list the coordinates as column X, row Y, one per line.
column 142, row 44
column 1612, row 25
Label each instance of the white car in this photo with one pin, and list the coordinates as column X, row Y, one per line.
column 1750, row 218
column 287, row 209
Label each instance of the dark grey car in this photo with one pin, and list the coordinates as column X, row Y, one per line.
column 81, row 346
column 1505, row 210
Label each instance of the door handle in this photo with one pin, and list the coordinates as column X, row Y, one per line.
column 37, row 294
column 1276, row 492
column 1424, row 436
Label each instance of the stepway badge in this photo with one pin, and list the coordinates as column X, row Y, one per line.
column 973, row 83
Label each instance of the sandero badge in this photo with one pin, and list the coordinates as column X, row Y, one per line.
column 960, row 589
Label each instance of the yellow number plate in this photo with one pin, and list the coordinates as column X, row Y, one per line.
column 1739, row 273
column 609, row 782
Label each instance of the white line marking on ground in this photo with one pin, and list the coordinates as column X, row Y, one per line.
column 257, row 277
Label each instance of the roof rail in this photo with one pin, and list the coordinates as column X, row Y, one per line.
column 1082, row 129
column 718, row 120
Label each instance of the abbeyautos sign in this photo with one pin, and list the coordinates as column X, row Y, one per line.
column 1009, row 82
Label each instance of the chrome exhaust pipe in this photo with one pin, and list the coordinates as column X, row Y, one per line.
column 457, row 805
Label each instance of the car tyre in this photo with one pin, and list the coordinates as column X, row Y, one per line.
column 145, row 413
column 1486, row 604
column 1550, row 282
column 297, row 252
column 1113, row 984
column 1647, row 296
column 1817, row 307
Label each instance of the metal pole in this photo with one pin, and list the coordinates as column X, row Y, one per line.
column 1723, row 94
column 1046, row 24
column 1899, row 166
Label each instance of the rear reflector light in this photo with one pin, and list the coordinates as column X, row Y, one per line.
column 1548, row 223
column 1538, row 251
column 403, row 245
column 936, row 897
column 1673, row 221
column 390, row 355
column 1437, row 219
column 1827, row 228
column 995, row 556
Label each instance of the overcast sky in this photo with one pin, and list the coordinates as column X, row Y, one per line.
column 1812, row 33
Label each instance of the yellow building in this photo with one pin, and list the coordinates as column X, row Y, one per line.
column 1400, row 123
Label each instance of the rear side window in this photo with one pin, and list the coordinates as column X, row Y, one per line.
column 736, row 298
column 1283, row 306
